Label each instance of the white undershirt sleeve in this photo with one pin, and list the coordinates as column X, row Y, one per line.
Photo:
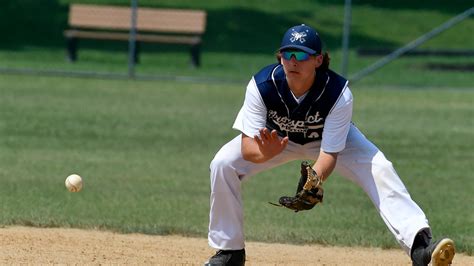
column 337, row 124
column 253, row 114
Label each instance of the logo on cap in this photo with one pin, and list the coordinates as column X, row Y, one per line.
column 298, row 36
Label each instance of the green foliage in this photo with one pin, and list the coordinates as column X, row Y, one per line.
column 143, row 149
column 241, row 37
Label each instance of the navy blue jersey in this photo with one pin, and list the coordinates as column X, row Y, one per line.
column 303, row 122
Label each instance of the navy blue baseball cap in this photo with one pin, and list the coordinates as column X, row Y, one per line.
column 302, row 38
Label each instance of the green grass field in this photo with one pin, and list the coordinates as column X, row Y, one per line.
column 144, row 149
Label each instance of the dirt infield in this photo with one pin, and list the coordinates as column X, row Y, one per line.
column 74, row 246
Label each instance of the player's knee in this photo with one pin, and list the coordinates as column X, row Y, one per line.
column 380, row 163
column 383, row 168
column 383, row 164
column 223, row 173
column 219, row 163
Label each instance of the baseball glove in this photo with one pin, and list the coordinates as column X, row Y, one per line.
column 308, row 193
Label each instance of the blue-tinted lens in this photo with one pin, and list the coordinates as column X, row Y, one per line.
column 299, row 55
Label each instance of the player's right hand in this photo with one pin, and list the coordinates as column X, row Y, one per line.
column 269, row 143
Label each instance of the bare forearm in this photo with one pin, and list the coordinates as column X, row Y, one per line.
column 251, row 151
column 325, row 164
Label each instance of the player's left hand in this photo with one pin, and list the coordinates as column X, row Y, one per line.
column 308, row 193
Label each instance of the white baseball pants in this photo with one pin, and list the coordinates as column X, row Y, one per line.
column 361, row 161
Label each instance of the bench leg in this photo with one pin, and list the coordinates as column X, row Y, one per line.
column 195, row 55
column 72, row 49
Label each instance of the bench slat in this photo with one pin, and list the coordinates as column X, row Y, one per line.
column 192, row 40
column 99, row 17
column 148, row 19
column 170, row 20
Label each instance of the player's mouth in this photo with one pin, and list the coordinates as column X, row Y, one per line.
column 293, row 72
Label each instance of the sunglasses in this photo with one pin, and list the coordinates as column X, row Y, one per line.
column 299, row 55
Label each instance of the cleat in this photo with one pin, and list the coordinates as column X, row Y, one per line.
column 442, row 252
column 439, row 253
column 227, row 258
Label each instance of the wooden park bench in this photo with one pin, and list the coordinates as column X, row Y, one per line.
column 168, row 26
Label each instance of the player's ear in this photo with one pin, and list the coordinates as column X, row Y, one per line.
column 318, row 60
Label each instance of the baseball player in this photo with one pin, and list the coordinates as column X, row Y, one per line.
column 299, row 109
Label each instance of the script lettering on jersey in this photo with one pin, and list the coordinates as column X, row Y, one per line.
column 312, row 123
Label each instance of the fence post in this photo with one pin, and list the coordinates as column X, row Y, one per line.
column 132, row 39
column 345, row 37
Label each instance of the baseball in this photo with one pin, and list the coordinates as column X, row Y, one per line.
column 74, row 183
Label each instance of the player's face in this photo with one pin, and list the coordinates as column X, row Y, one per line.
column 299, row 64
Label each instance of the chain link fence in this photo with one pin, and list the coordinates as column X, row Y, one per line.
column 128, row 40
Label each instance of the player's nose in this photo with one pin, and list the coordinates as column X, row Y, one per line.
column 293, row 59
